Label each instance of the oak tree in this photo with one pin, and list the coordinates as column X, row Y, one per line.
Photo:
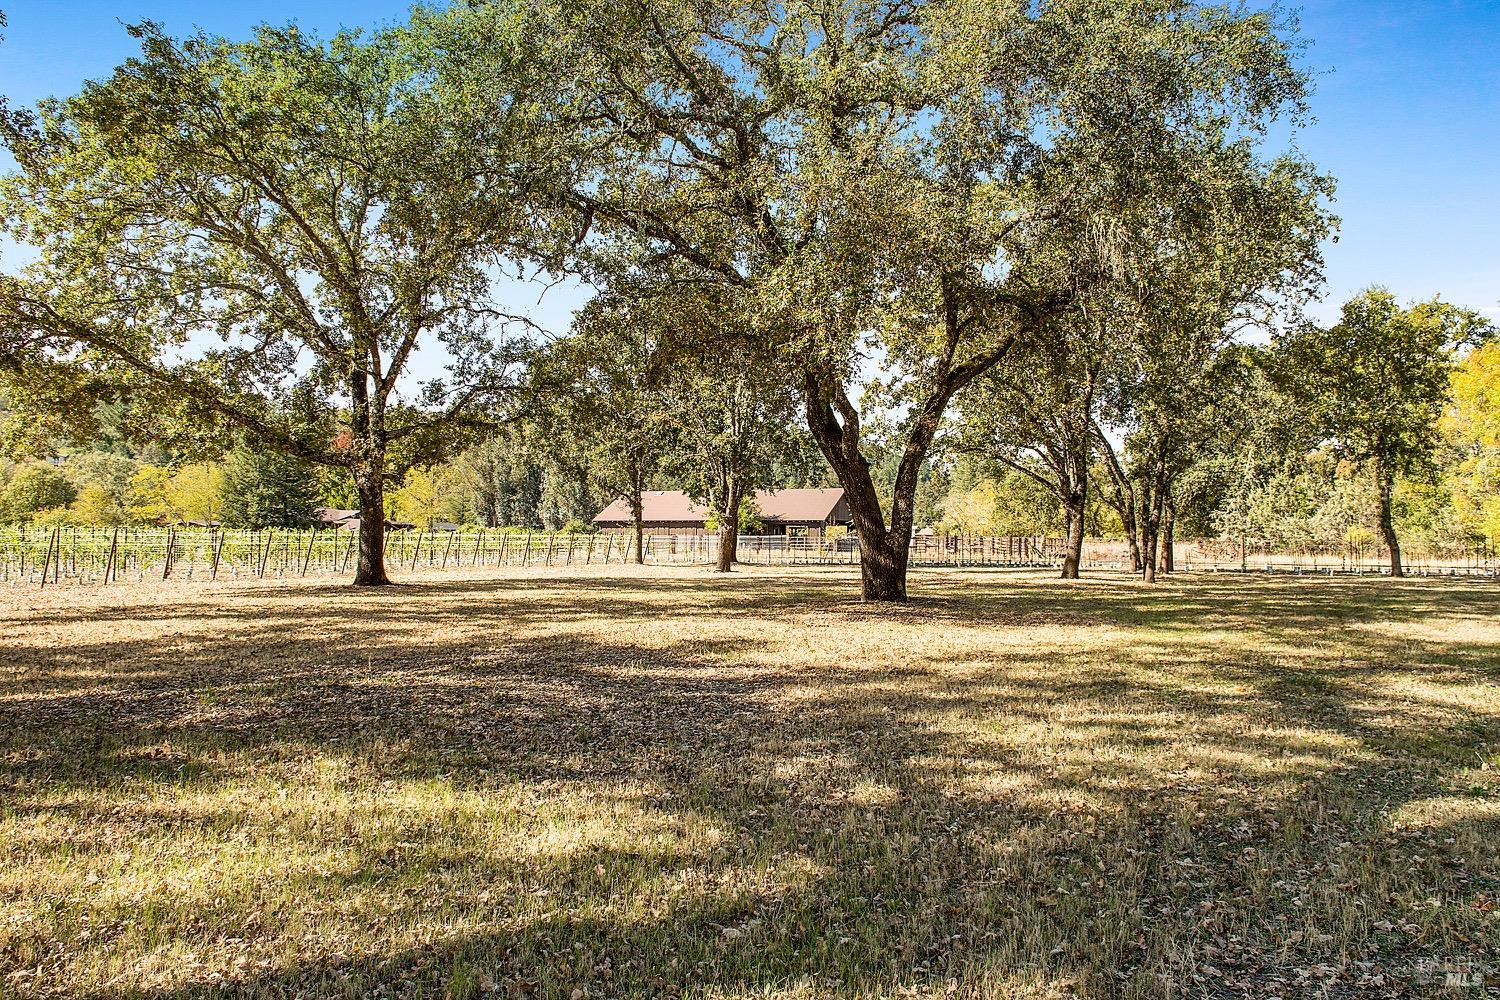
column 266, row 234
column 914, row 185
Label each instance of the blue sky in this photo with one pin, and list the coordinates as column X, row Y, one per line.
column 1407, row 107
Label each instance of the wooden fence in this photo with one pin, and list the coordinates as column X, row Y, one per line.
column 47, row 557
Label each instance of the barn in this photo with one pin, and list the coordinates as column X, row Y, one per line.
column 782, row 512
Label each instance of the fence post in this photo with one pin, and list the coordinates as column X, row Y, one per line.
column 47, row 559
column 307, row 556
column 114, row 547
column 166, row 563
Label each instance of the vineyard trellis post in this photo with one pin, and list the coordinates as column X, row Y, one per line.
column 47, row 559
column 114, row 550
column 166, row 562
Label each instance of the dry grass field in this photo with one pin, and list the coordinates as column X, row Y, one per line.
column 612, row 782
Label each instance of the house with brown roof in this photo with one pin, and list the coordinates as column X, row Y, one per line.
column 782, row 512
column 348, row 520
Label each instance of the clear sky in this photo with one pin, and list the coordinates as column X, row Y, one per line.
column 1407, row 102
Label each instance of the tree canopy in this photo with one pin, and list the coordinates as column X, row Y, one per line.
column 1378, row 383
column 926, row 184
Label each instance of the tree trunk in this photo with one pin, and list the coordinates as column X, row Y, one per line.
column 1148, row 552
column 882, row 556
column 371, row 569
column 1168, row 563
column 1149, row 529
column 834, row 421
column 367, row 425
column 882, row 570
column 1132, row 534
column 1073, row 508
column 729, row 528
column 883, row 553
column 637, row 516
column 1075, row 505
column 1388, row 521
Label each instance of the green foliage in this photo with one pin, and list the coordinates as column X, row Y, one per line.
column 33, row 489
column 265, row 489
column 604, row 404
column 498, row 482
column 1002, row 501
column 96, row 507
column 747, row 522
column 1378, row 380
column 927, row 184
column 1471, row 432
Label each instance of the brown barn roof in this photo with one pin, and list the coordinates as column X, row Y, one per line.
column 797, row 505
column 676, row 507
column 334, row 515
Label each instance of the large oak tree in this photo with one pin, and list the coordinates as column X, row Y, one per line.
column 267, row 233
column 913, row 185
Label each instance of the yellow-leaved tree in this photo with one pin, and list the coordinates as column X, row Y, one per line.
column 148, row 496
column 1471, row 427
column 417, row 500
column 194, row 492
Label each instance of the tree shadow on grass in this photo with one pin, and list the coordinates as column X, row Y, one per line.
column 1135, row 817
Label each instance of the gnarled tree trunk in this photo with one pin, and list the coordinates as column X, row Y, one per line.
column 370, row 571
column 884, row 551
column 883, row 554
column 882, row 569
column 1072, row 536
column 1075, row 506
